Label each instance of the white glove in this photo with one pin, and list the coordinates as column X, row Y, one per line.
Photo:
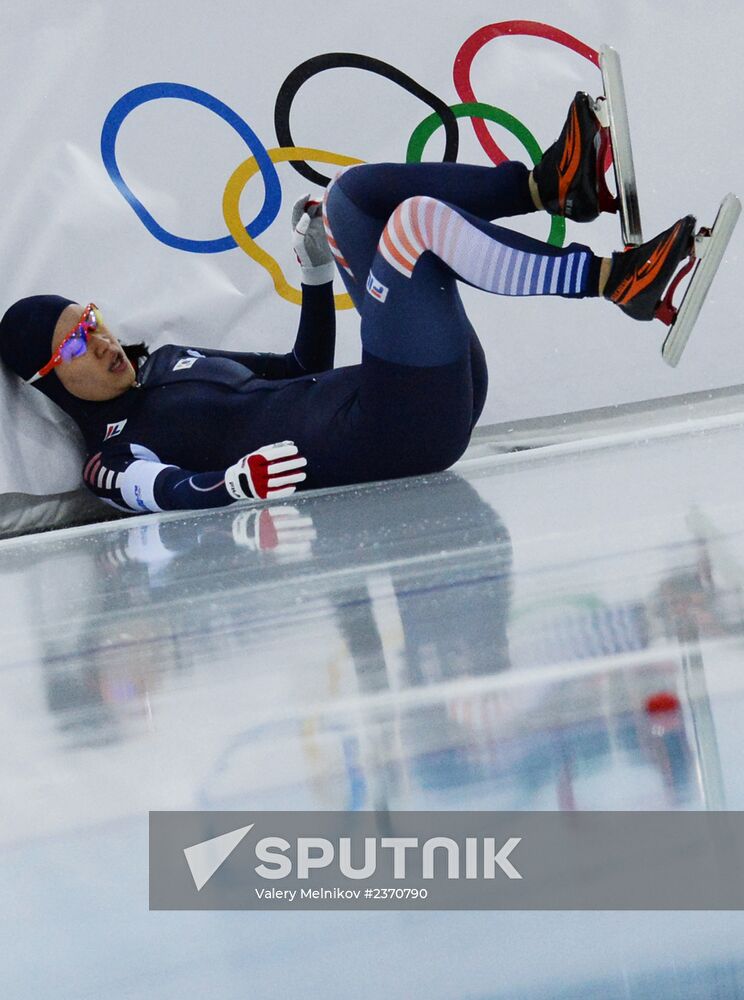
column 310, row 242
column 271, row 471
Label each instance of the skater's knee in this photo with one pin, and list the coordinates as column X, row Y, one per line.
column 331, row 200
column 339, row 174
column 409, row 231
column 339, row 204
column 351, row 181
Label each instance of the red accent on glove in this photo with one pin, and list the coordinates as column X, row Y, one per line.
column 259, row 469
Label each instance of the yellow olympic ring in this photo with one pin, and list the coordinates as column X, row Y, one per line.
column 231, row 213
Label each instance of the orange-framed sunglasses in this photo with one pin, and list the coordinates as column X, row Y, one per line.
column 74, row 343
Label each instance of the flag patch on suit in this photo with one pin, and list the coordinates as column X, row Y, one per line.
column 113, row 429
column 376, row 289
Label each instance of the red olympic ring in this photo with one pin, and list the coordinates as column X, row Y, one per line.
column 472, row 46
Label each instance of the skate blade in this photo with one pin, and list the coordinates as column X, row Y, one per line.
column 622, row 152
column 709, row 249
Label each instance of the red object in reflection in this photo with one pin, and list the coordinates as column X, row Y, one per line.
column 662, row 701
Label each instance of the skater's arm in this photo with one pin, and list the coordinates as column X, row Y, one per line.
column 315, row 343
column 132, row 478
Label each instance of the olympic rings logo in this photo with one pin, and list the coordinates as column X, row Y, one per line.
column 263, row 160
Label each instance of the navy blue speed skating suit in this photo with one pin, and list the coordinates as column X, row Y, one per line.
column 403, row 236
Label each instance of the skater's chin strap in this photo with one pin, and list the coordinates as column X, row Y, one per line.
column 666, row 311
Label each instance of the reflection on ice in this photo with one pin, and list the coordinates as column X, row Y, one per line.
column 561, row 633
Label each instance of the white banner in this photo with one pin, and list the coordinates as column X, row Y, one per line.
column 123, row 124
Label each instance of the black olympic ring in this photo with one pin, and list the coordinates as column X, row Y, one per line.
column 335, row 60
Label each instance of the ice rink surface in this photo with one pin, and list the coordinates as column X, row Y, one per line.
column 488, row 638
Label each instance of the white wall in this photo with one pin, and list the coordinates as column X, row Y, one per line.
column 67, row 229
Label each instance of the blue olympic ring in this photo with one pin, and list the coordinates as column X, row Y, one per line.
column 156, row 91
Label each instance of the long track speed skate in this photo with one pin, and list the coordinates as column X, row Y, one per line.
column 708, row 248
column 708, row 245
column 570, row 177
column 643, row 280
column 612, row 112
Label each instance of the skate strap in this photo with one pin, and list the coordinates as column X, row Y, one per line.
column 606, row 199
column 666, row 311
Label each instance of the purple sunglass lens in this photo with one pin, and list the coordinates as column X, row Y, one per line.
column 74, row 347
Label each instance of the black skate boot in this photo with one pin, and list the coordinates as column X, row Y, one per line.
column 640, row 275
column 570, row 176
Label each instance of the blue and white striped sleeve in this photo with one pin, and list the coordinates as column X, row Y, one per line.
column 132, row 478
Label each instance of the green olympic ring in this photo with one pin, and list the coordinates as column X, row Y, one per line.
column 426, row 129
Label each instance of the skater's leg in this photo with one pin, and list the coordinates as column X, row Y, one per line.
column 488, row 192
column 414, row 412
column 497, row 260
column 353, row 236
column 567, row 181
column 361, row 199
column 411, row 420
column 423, row 374
column 427, row 239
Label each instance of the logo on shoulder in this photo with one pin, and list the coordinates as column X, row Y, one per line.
column 184, row 363
column 376, row 289
column 195, row 354
column 113, row 429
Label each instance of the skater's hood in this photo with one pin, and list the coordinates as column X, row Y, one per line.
column 26, row 332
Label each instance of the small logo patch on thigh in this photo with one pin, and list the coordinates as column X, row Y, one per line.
column 376, row 289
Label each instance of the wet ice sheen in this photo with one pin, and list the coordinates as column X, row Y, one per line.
column 482, row 639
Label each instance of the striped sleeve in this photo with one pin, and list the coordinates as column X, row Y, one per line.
column 132, row 478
